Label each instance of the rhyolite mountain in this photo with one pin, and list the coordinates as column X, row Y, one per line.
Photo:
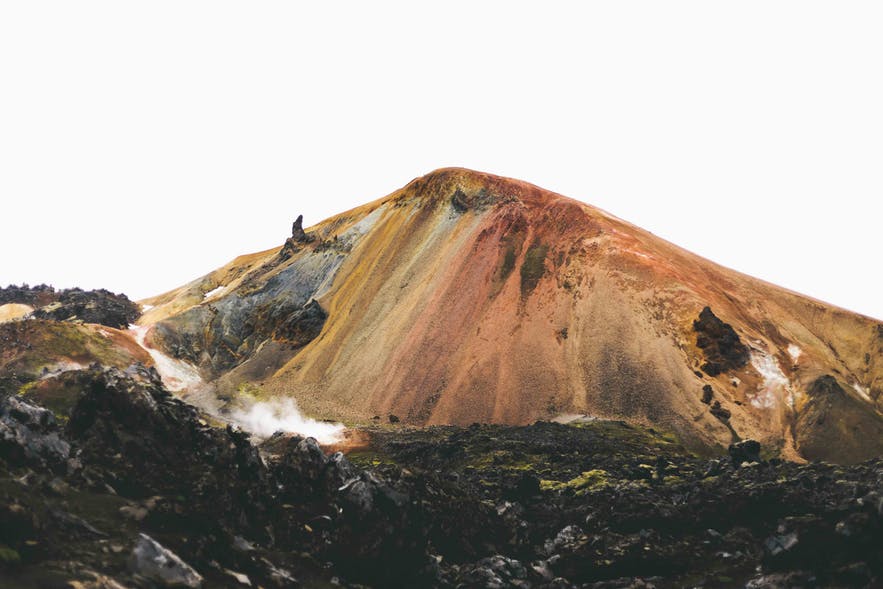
column 462, row 297
column 466, row 297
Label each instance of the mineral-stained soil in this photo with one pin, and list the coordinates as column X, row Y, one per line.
column 129, row 475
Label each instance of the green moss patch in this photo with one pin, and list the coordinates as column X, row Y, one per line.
column 508, row 262
column 586, row 482
column 8, row 556
column 533, row 268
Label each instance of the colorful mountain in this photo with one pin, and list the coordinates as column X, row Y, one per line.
column 466, row 297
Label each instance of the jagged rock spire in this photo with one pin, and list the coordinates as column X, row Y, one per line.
column 297, row 230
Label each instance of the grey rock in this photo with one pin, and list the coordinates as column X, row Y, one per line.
column 568, row 536
column 28, row 436
column 151, row 559
column 781, row 543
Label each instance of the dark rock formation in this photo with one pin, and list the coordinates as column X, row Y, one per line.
column 297, row 230
column 297, row 327
column 720, row 344
column 722, row 413
column 140, row 456
column 598, row 523
column 219, row 342
column 29, row 436
column 96, row 306
column 744, row 451
column 476, row 200
column 707, row 394
column 89, row 306
column 597, row 505
column 297, row 240
column 35, row 296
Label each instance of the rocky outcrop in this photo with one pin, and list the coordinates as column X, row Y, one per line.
column 720, row 344
column 218, row 343
column 220, row 335
column 154, row 561
column 154, row 495
column 140, row 456
column 29, row 436
column 297, row 230
column 74, row 304
column 744, row 451
column 621, row 508
column 34, row 296
column 297, row 240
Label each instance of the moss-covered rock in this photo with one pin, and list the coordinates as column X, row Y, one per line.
column 586, row 482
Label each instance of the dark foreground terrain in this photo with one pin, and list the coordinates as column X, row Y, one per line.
column 130, row 487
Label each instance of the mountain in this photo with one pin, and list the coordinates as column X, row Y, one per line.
column 171, row 453
column 466, row 297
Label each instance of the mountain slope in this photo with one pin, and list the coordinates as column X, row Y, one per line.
column 468, row 297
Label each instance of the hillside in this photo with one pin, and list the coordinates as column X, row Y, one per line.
column 466, row 297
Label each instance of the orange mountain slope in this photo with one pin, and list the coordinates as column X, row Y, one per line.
column 468, row 297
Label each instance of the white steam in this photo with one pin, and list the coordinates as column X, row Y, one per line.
column 264, row 418
column 176, row 374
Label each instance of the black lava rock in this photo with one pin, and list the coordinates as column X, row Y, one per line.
column 720, row 344
column 744, row 451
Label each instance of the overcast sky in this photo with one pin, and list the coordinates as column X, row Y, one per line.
column 145, row 144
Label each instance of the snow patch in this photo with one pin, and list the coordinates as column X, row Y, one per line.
column 177, row 375
column 794, row 352
column 264, row 418
column 59, row 367
column 775, row 383
column 862, row 391
column 566, row 418
column 213, row 292
column 146, row 308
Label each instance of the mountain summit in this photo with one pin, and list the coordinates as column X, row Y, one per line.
column 466, row 297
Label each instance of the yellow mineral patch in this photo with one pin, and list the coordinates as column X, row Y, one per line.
column 13, row 311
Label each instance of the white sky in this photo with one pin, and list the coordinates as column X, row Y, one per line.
column 145, row 144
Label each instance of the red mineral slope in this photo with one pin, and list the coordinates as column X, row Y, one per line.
column 468, row 297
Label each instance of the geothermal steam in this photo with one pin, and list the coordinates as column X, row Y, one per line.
column 264, row 418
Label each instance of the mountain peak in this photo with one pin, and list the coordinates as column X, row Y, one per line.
column 468, row 185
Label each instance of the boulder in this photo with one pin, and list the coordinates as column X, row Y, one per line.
column 744, row 451
column 151, row 559
column 28, row 436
